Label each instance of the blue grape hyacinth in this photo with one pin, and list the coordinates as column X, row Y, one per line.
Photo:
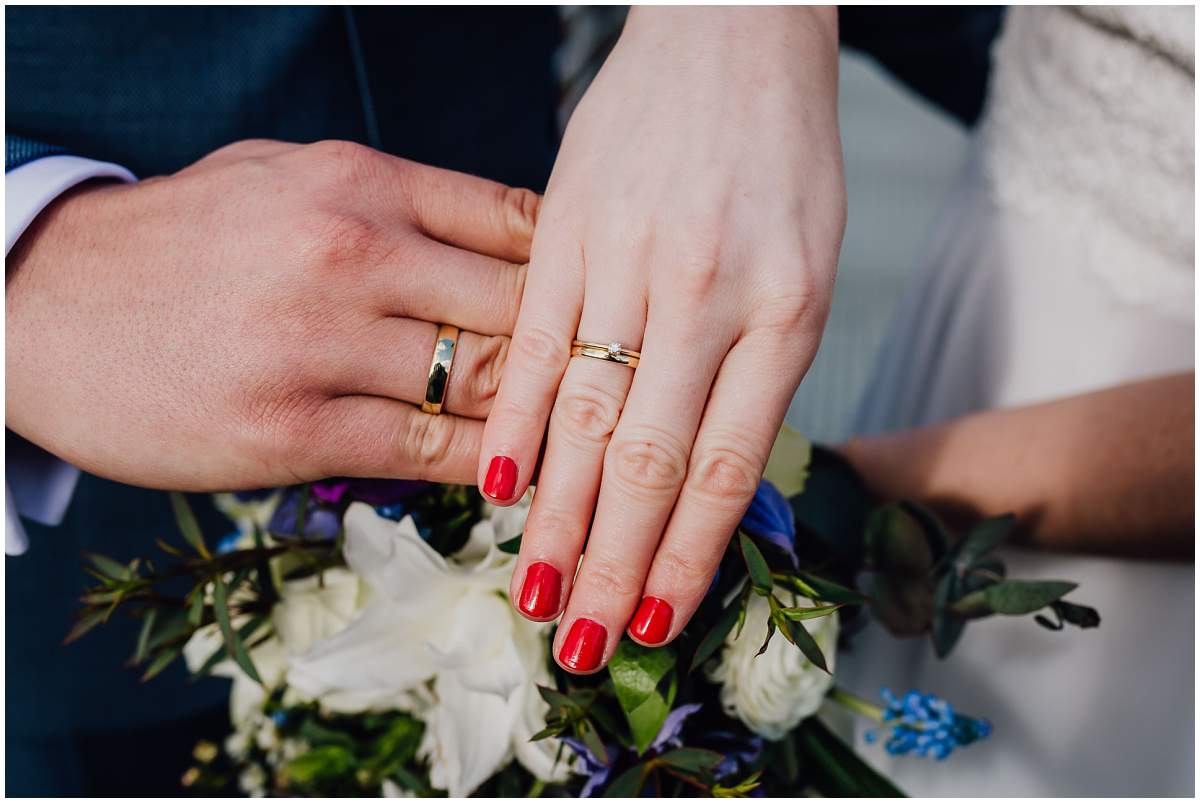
column 926, row 725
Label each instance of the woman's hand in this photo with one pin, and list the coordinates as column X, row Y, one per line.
column 695, row 215
column 265, row 316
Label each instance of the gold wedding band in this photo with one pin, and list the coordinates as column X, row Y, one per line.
column 610, row 352
column 439, row 369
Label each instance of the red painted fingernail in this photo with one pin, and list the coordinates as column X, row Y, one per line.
column 652, row 622
column 584, row 646
column 501, row 479
column 541, row 591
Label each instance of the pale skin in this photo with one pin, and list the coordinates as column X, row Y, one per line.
column 695, row 215
column 263, row 317
column 1108, row 472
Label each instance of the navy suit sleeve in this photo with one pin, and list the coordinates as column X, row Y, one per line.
column 20, row 150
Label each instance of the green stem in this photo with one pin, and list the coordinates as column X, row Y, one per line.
column 536, row 788
column 852, row 702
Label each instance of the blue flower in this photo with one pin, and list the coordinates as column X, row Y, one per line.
column 770, row 517
column 596, row 770
column 321, row 523
column 228, row 542
column 927, row 725
column 668, row 734
column 738, row 751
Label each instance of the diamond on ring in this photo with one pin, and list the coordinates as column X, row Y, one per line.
column 614, row 349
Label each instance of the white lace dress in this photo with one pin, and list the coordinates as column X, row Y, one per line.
column 1064, row 263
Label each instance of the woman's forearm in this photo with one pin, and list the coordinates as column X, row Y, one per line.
column 1110, row 471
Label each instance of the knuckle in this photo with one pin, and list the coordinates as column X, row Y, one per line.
column 540, row 347
column 690, row 569
column 427, row 440
column 339, row 159
column 520, row 208
column 726, row 476
column 337, row 240
column 587, row 412
column 486, row 369
column 610, row 579
column 699, row 274
column 647, row 461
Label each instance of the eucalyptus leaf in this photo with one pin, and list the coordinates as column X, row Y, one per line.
column 510, row 547
column 188, row 525
column 1012, row 597
column 897, row 544
column 232, row 642
column 946, row 628
column 716, row 636
column 983, row 537
column 756, row 565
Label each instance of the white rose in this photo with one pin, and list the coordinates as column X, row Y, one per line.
column 773, row 692
column 442, row 631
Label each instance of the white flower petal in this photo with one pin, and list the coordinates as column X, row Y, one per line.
column 467, row 737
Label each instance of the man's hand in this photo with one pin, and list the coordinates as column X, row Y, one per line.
column 263, row 317
column 695, row 214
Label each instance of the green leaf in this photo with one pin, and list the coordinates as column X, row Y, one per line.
column 629, row 783
column 756, row 565
column 161, row 662
column 829, row 591
column 896, row 543
column 946, row 628
column 1081, row 616
column 510, row 547
column 716, row 636
column 110, row 567
column 742, row 788
column 983, row 537
column 587, row 733
column 85, row 624
column 637, row 673
column 143, row 642
column 767, row 641
column 798, row 634
column 834, row 769
column 559, row 700
column 1012, row 597
column 691, row 759
column 233, row 644
column 196, row 609
column 787, row 466
column 220, row 654
column 188, row 524
column 327, row 761
column 815, row 612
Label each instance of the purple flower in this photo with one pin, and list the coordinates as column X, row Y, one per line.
column 770, row 517
column 739, row 751
column 597, row 771
column 374, row 492
column 668, row 734
column 320, row 523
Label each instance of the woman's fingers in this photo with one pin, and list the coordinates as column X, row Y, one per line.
column 586, row 409
column 727, row 461
column 425, row 279
column 392, row 358
column 643, row 471
column 537, row 358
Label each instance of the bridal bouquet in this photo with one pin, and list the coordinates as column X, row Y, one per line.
column 372, row 648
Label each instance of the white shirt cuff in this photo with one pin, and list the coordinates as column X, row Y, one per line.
column 39, row 485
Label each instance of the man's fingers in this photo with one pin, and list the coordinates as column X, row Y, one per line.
column 727, row 461
column 470, row 212
column 537, row 357
column 369, row 436
column 444, row 284
column 392, row 358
